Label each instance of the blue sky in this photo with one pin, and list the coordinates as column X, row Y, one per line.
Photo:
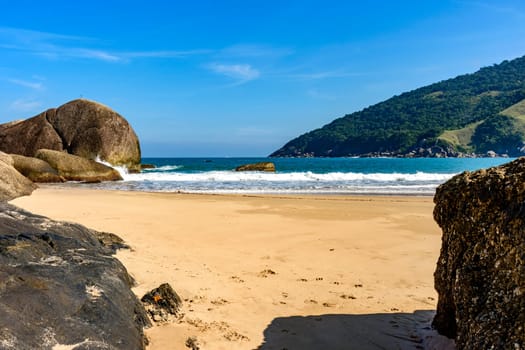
column 240, row 78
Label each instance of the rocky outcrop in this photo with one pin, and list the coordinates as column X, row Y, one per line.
column 74, row 168
column 80, row 127
column 12, row 183
column 261, row 166
column 162, row 303
column 25, row 137
column 35, row 169
column 480, row 275
column 59, row 285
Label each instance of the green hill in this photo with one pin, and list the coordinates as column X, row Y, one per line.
column 472, row 113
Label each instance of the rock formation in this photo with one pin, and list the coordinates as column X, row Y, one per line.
column 35, row 169
column 162, row 303
column 80, row 127
column 12, row 183
column 480, row 275
column 74, row 168
column 59, row 285
column 261, row 166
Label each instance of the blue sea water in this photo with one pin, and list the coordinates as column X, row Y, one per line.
column 377, row 176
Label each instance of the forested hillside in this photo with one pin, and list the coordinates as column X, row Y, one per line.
column 472, row 113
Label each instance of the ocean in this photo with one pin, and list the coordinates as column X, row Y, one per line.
column 323, row 176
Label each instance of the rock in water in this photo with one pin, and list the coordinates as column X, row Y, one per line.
column 12, row 183
column 480, row 275
column 81, row 127
column 59, row 285
column 261, row 166
column 74, row 168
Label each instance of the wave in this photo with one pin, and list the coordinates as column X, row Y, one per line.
column 231, row 176
column 164, row 168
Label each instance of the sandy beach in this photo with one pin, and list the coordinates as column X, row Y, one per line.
column 271, row 272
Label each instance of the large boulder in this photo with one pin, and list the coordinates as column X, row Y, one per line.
column 80, row 127
column 12, row 183
column 60, row 287
column 260, row 166
column 74, row 168
column 25, row 137
column 35, row 169
column 480, row 274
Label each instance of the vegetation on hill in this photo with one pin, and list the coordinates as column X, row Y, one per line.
column 472, row 113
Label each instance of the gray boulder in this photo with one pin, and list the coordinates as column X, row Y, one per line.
column 261, row 166
column 59, row 285
column 35, row 169
column 74, row 168
column 81, row 127
column 480, row 274
column 12, row 183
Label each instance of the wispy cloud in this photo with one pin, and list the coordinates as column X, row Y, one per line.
column 29, row 84
column 58, row 46
column 25, row 105
column 496, row 7
column 165, row 54
column 242, row 73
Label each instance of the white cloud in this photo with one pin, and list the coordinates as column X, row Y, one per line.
column 28, row 84
column 240, row 72
column 58, row 46
column 25, row 105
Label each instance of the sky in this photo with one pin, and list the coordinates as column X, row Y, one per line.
column 240, row 78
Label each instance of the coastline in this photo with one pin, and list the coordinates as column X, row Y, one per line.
column 266, row 270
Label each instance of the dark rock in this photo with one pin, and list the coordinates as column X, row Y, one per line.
column 28, row 136
column 80, row 127
column 74, row 168
column 261, row 166
column 35, row 169
column 12, row 183
column 147, row 166
column 162, row 303
column 60, row 285
column 480, row 275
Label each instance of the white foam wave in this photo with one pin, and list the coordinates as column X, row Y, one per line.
column 121, row 169
column 231, row 176
column 164, row 168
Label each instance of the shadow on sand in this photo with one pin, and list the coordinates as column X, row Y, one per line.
column 362, row 332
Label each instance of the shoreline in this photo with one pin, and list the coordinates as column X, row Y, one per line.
column 319, row 195
column 253, row 270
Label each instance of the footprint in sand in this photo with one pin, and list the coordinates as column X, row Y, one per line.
column 302, row 280
column 237, row 279
column 328, row 304
column 267, row 272
column 358, row 285
column 310, row 301
column 219, row 301
column 347, row 296
column 318, row 278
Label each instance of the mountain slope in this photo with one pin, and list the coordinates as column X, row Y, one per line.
column 470, row 113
